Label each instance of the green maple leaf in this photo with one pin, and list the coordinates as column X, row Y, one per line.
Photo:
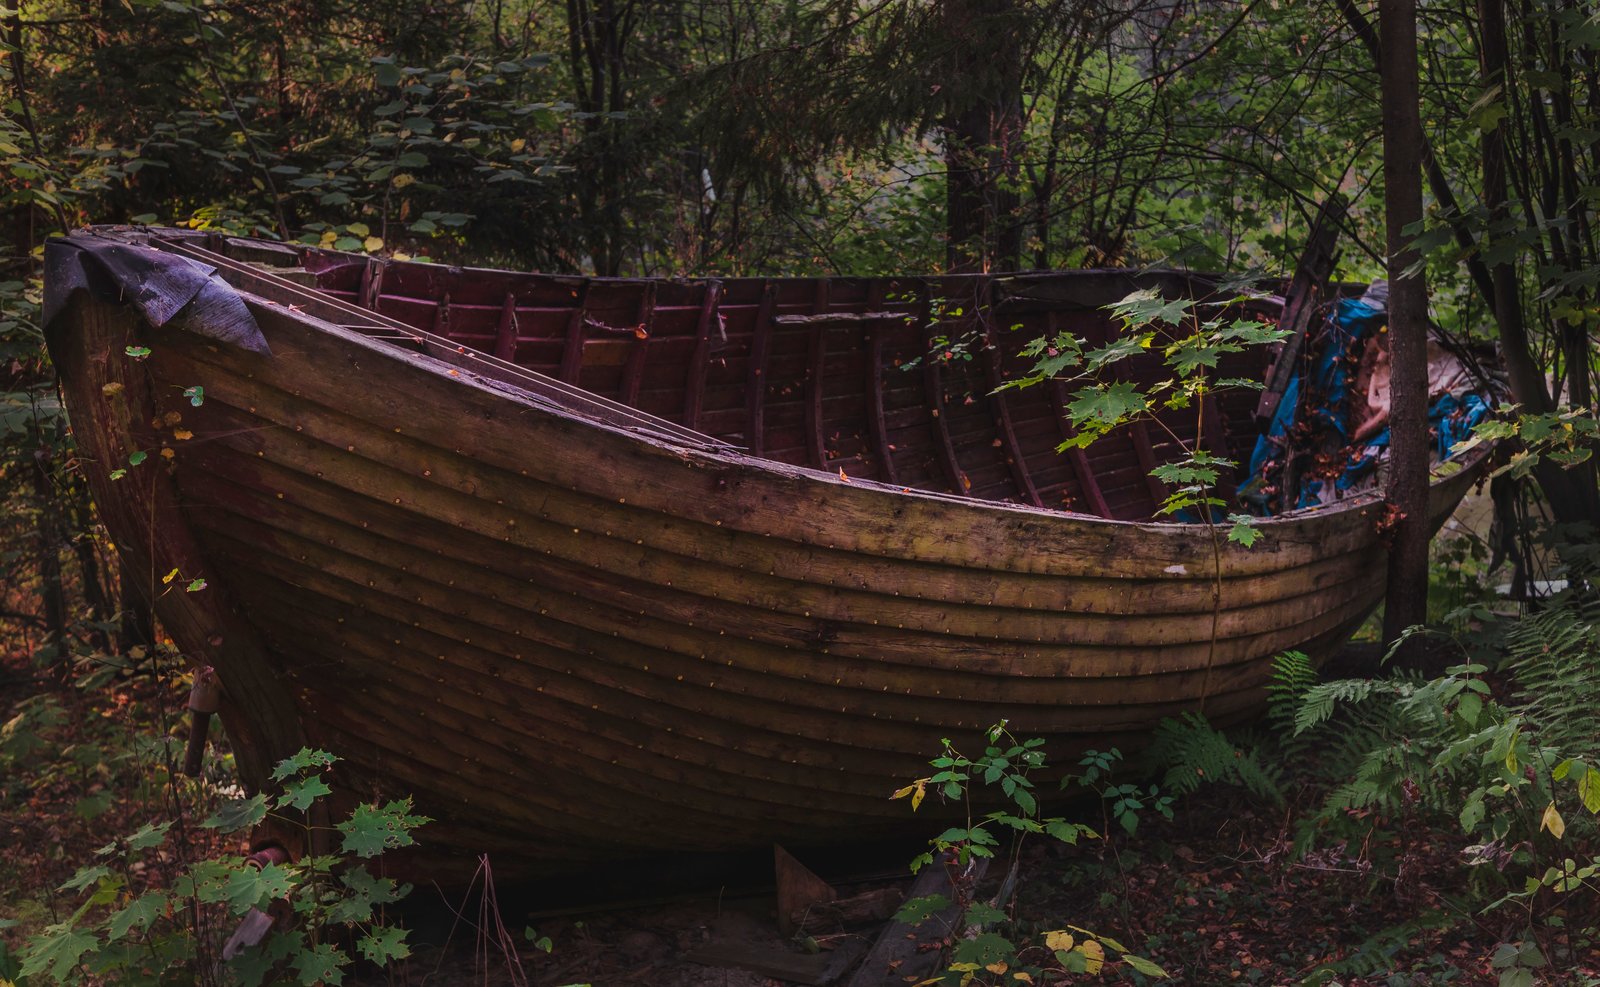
column 383, row 944
column 206, row 880
column 249, row 888
column 370, row 830
column 1244, row 530
column 59, row 949
column 140, row 912
column 919, row 910
column 1105, row 406
column 321, row 964
column 301, row 762
column 300, row 794
column 1115, row 351
column 1146, row 306
column 148, row 836
column 237, row 814
column 86, row 876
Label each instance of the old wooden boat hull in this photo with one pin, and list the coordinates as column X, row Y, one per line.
column 575, row 631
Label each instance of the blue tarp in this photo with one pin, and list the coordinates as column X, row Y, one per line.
column 1321, row 419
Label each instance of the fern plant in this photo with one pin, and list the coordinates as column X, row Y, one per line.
column 1512, row 754
column 1196, row 753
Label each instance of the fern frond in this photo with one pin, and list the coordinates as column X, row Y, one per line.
column 1194, row 753
column 1293, row 675
column 1554, row 658
column 1319, row 702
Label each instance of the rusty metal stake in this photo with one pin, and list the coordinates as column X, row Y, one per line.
column 205, row 696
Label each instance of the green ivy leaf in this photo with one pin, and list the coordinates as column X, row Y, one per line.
column 135, row 458
column 137, row 352
column 195, row 394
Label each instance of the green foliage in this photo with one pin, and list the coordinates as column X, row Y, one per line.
column 1006, row 763
column 1196, row 754
column 129, row 931
column 1509, row 755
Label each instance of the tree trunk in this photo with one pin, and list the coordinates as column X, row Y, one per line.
column 982, row 134
column 1571, row 494
column 1407, row 600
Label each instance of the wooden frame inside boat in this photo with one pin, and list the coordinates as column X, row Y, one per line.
column 588, row 565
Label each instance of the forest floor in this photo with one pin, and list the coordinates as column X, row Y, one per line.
column 1216, row 896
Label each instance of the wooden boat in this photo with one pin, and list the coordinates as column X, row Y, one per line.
column 597, row 567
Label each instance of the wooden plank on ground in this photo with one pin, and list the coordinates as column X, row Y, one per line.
column 905, row 953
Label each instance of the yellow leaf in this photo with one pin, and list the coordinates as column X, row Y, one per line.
column 182, row 434
column 1093, row 955
column 998, row 966
column 1553, row 822
column 111, row 389
column 1058, row 940
column 169, row 577
column 518, row 144
column 916, row 790
column 1025, row 978
column 167, row 454
column 372, row 244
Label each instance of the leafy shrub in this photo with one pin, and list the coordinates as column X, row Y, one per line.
column 981, row 955
column 131, row 931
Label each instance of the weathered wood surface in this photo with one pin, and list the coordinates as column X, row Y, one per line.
column 568, row 627
column 906, row 954
column 866, row 908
